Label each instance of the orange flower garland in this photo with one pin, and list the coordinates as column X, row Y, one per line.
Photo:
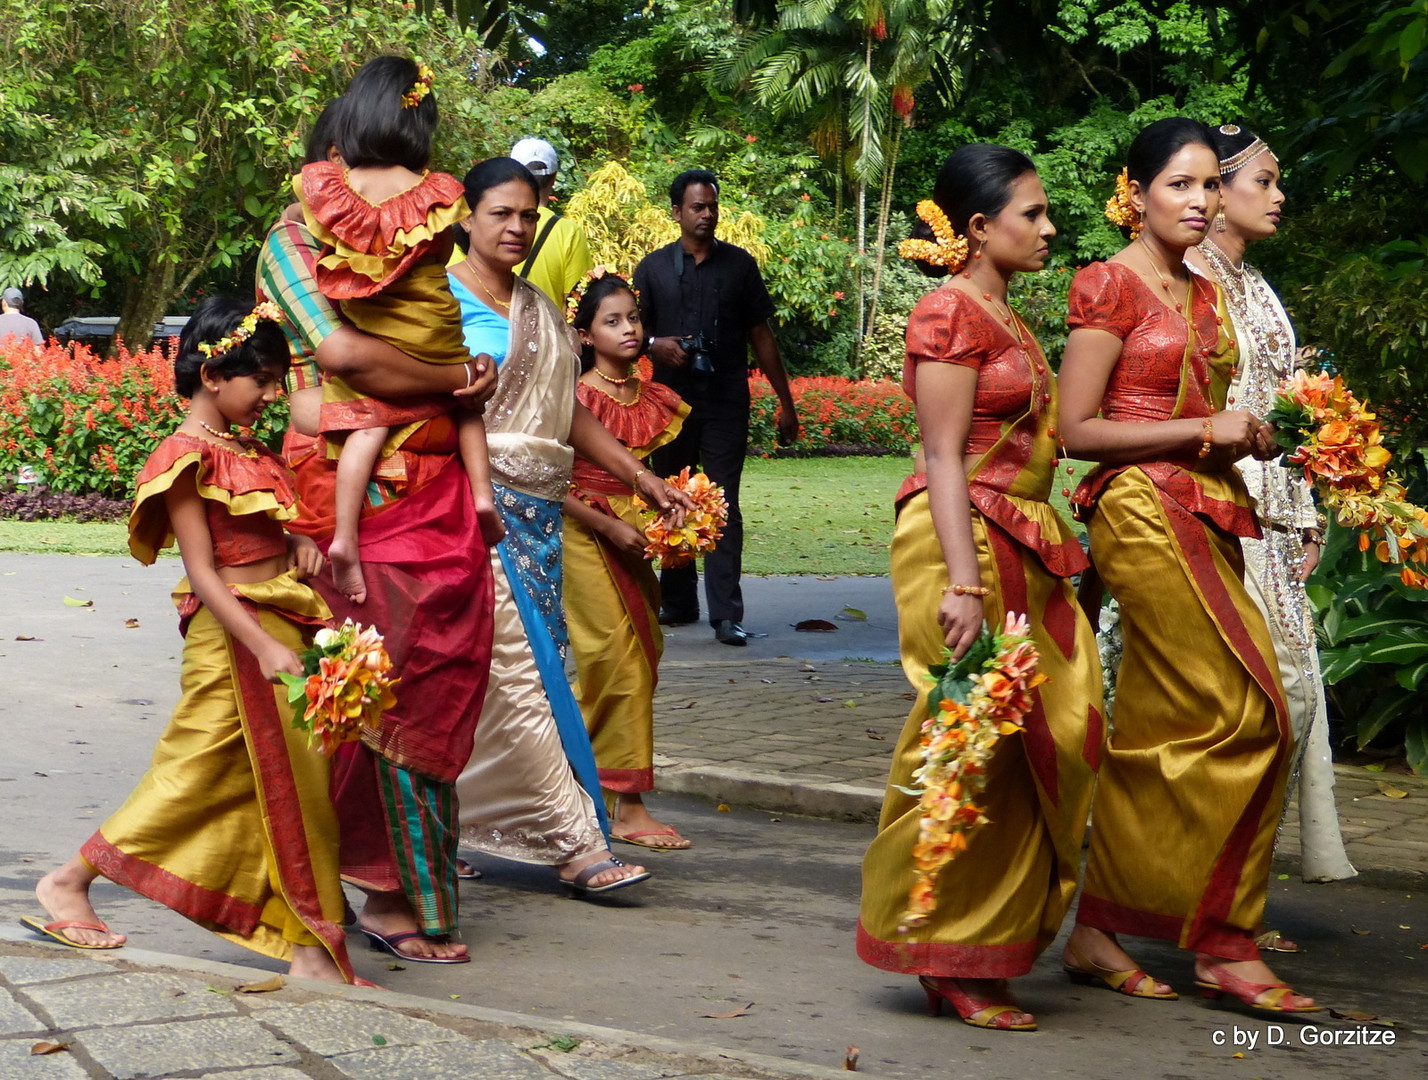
column 703, row 526
column 1329, row 433
column 975, row 701
column 949, row 249
column 1119, row 209
column 347, row 685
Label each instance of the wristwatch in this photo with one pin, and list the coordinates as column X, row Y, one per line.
column 649, row 343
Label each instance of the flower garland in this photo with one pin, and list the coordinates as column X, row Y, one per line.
column 1325, row 430
column 413, row 97
column 972, row 704
column 949, row 249
column 243, row 331
column 1119, row 209
column 703, row 526
column 577, row 294
column 346, row 685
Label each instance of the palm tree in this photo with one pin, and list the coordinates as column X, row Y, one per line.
column 850, row 69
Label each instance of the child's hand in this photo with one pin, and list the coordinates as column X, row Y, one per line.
column 276, row 658
column 304, row 557
column 493, row 528
column 625, row 538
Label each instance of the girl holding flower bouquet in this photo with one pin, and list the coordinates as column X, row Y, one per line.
column 232, row 826
column 612, row 602
column 1277, row 564
column 976, row 540
column 1192, row 787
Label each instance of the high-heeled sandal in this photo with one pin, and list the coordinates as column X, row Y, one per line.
column 1248, row 993
column 1132, row 982
column 995, row 1016
column 1274, row 941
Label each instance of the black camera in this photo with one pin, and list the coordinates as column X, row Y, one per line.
column 700, row 351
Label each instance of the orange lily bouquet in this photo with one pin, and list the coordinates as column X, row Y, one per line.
column 1336, row 440
column 972, row 704
column 703, row 526
column 346, row 685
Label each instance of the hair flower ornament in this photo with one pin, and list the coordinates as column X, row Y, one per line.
column 1119, row 209
column 413, row 97
column 577, row 294
column 949, row 249
column 243, row 331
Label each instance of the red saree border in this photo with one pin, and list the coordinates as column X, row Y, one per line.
column 946, row 960
column 627, row 781
column 167, row 888
column 263, row 730
column 1113, row 918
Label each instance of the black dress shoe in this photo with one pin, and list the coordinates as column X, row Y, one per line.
column 678, row 617
column 728, row 632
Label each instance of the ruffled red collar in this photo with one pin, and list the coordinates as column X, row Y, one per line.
column 639, row 422
column 367, row 226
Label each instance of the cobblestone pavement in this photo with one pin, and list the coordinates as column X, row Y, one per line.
column 816, row 737
column 154, row 1016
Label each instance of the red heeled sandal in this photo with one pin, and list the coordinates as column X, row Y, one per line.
column 1248, row 993
column 995, row 1016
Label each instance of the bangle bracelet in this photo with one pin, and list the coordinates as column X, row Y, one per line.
column 469, row 377
column 967, row 590
column 635, row 480
column 1311, row 536
column 1209, row 428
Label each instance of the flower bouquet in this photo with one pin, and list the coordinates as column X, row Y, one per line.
column 702, row 528
column 346, row 685
column 1336, row 440
column 972, row 704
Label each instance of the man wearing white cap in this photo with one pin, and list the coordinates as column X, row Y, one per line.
column 560, row 255
column 13, row 320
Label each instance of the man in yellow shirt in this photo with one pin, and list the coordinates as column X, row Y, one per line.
column 560, row 256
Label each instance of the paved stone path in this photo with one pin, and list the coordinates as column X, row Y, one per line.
column 153, row 1016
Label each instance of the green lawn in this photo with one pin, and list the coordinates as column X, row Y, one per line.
column 801, row 516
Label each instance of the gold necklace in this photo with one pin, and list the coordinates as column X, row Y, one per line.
column 1011, row 321
column 226, row 436
column 486, row 288
column 1164, row 284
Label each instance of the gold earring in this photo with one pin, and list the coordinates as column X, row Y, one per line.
column 1220, row 224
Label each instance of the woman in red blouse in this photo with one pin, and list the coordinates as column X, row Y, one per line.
column 976, row 539
column 1193, row 781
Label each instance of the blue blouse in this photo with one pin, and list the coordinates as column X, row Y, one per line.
column 486, row 331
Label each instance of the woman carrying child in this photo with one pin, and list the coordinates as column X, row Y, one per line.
column 612, row 606
column 232, row 825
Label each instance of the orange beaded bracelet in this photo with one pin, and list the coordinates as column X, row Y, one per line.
column 1209, row 424
column 967, row 590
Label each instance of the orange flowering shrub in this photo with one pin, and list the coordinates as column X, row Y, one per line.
column 84, row 423
column 835, row 413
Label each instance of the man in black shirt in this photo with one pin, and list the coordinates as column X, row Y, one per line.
column 704, row 304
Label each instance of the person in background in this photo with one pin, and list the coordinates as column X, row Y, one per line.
column 13, row 320
column 704, row 304
column 560, row 254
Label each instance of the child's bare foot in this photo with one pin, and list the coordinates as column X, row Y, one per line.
column 64, row 894
column 347, row 570
column 314, row 962
column 493, row 529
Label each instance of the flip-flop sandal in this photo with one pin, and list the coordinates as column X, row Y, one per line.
column 469, row 874
column 580, row 883
column 53, row 930
column 390, row 942
column 636, row 838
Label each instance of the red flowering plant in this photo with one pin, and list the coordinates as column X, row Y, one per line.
column 835, row 415
column 83, row 423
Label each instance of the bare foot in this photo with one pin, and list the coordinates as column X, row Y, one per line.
column 1089, row 947
column 64, row 894
column 972, row 996
column 389, row 913
column 632, row 820
column 1226, row 974
column 314, row 962
column 571, row 870
column 347, row 570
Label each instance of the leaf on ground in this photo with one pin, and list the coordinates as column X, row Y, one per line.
column 131, row 623
column 853, row 614
column 394, row 966
column 27, row 637
column 1391, row 791
column 743, row 1011
column 850, row 704
column 722, row 808
column 564, row 1043
column 1377, row 766
column 379, row 1040
column 875, row 736
column 217, row 990
column 1359, row 1016
column 814, row 626
column 1361, row 933
column 47, row 1048
column 769, row 681
column 267, row 986
column 1238, row 1054
column 850, row 1059
column 824, row 700
column 454, row 997
column 72, row 602
column 689, row 706
column 909, row 696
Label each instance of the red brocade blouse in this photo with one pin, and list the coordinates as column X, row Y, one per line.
column 1163, row 373
column 1010, row 448
column 247, row 491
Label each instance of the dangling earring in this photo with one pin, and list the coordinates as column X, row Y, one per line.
column 1220, row 222
column 977, row 254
